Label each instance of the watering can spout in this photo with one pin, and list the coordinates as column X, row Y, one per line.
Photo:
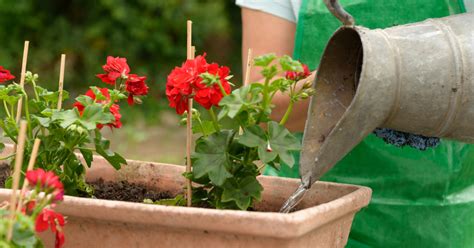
column 415, row 78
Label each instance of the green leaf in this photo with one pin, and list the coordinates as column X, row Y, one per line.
column 94, row 114
column 242, row 191
column 98, row 94
column 269, row 72
column 44, row 122
column 211, row 157
column 88, row 156
column 84, row 100
column 205, row 127
column 66, row 117
column 102, row 148
column 288, row 64
column 179, row 200
column 264, row 60
column 279, row 142
column 239, row 100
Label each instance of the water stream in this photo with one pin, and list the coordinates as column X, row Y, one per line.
column 294, row 199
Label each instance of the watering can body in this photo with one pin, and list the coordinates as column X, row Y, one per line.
column 416, row 78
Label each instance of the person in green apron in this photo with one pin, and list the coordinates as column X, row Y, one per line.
column 420, row 198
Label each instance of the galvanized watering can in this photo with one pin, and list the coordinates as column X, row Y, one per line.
column 415, row 78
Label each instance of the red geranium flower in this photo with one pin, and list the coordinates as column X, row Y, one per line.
column 50, row 218
column 114, row 109
column 180, row 82
column 293, row 75
column 46, row 180
column 135, row 86
column 5, row 75
column 114, row 68
column 208, row 95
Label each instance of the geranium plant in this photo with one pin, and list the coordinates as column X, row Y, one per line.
column 65, row 132
column 226, row 161
column 37, row 212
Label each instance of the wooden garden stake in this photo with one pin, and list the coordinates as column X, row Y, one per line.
column 61, row 81
column 189, row 133
column 248, row 67
column 31, row 164
column 16, row 176
column 22, row 79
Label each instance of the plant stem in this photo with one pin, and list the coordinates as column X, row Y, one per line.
column 287, row 113
column 214, row 119
column 222, row 88
column 200, row 125
column 265, row 100
column 6, row 108
column 36, row 92
column 27, row 113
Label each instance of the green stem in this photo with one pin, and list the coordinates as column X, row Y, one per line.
column 27, row 113
column 36, row 92
column 287, row 113
column 222, row 88
column 200, row 126
column 290, row 106
column 6, row 108
column 265, row 99
column 214, row 119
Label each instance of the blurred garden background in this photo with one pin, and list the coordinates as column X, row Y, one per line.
column 151, row 34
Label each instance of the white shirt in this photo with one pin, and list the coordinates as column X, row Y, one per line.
column 286, row 9
column 289, row 9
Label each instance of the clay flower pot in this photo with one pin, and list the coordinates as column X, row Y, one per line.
column 323, row 219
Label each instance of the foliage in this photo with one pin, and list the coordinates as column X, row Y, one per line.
column 36, row 212
column 150, row 33
column 227, row 161
column 65, row 132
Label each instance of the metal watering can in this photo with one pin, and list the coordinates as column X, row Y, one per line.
column 416, row 78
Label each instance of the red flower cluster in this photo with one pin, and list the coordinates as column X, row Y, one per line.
column 293, row 75
column 185, row 82
column 5, row 75
column 114, row 68
column 47, row 181
column 114, row 109
column 117, row 68
column 50, row 218
column 135, row 86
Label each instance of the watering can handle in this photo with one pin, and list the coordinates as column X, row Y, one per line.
column 336, row 9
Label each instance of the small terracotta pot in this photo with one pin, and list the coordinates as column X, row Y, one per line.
column 324, row 217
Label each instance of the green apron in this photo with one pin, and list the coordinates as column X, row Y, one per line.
column 420, row 198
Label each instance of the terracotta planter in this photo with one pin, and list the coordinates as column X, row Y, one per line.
column 323, row 220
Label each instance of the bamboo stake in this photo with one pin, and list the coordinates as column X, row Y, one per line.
column 22, row 79
column 189, row 133
column 16, row 176
column 248, row 67
column 31, row 164
column 61, row 81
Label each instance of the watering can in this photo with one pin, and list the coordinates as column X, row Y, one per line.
column 416, row 78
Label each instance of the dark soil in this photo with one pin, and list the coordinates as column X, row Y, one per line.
column 4, row 174
column 125, row 191
column 119, row 191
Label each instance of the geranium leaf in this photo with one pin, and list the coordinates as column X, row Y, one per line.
column 278, row 142
column 242, row 191
column 264, row 60
column 239, row 100
column 288, row 64
column 88, row 156
column 94, row 114
column 205, row 127
column 211, row 158
column 102, row 148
